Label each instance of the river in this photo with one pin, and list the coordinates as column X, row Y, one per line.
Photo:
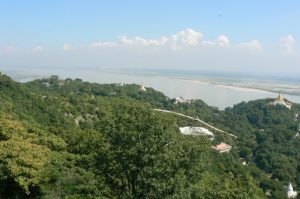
column 216, row 95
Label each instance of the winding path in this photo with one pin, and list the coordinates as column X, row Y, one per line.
column 196, row 119
column 295, row 136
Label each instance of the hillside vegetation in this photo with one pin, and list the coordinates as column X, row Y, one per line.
column 74, row 139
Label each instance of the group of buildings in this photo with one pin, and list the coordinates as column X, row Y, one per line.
column 179, row 100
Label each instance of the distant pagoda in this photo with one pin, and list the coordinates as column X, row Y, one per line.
column 280, row 101
column 142, row 87
column 280, row 98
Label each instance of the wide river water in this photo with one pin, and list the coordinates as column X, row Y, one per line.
column 214, row 95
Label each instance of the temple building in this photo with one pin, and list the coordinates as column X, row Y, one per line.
column 182, row 100
column 142, row 88
column 290, row 192
column 280, row 101
column 222, row 147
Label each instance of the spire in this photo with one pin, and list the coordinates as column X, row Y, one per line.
column 142, row 88
column 290, row 188
column 290, row 191
column 280, row 98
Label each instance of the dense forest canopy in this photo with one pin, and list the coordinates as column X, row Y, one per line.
column 75, row 139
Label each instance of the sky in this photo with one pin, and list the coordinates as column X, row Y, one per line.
column 242, row 36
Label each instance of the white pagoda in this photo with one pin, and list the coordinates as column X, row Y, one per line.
column 290, row 192
column 142, row 87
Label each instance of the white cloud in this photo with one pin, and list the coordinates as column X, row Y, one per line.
column 68, row 48
column 288, row 43
column 143, row 42
column 194, row 51
column 103, row 44
column 38, row 49
column 254, row 45
column 186, row 37
column 221, row 40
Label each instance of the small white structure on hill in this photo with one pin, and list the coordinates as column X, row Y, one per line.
column 290, row 192
column 142, row 88
column 296, row 116
column 222, row 147
column 189, row 130
column 280, row 101
column 79, row 119
column 179, row 100
column 182, row 100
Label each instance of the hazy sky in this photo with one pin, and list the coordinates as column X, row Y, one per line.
column 254, row 36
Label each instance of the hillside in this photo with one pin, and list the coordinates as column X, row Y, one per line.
column 74, row 139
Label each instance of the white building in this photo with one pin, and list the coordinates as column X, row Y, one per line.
column 222, row 147
column 182, row 100
column 142, row 88
column 188, row 130
column 296, row 116
column 290, row 192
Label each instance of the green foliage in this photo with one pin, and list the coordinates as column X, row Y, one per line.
column 21, row 160
column 227, row 186
column 147, row 158
column 64, row 178
column 74, row 139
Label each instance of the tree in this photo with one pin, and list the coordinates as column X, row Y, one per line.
column 147, row 156
column 21, row 160
column 227, row 186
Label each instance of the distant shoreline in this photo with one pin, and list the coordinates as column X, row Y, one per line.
column 265, row 86
column 241, row 87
